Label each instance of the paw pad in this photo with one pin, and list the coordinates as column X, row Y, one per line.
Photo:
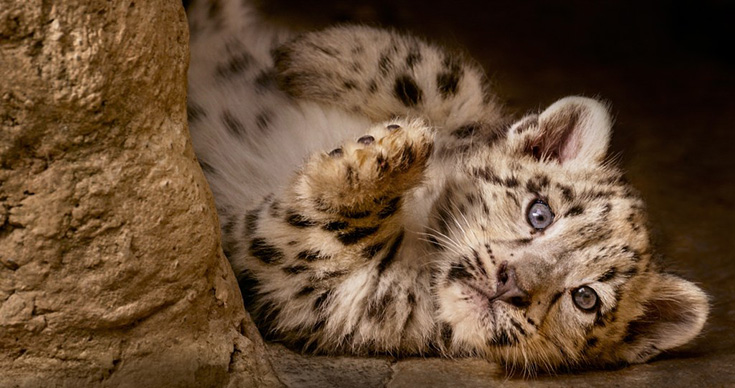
column 366, row 140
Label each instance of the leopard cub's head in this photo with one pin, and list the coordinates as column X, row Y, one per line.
column 542, row 256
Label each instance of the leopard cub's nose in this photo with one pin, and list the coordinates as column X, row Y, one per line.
column 507, row 289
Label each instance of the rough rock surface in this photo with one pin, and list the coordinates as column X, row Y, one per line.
column 111, row 272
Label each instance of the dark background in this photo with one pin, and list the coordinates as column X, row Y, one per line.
column 667, row 70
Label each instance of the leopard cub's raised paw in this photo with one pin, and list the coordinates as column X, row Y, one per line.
column 387, row 150
column 388, row 159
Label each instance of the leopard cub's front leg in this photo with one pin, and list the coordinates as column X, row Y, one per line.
column 307, row 250
column 361, row 178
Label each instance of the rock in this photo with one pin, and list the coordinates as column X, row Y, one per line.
column 111, row 271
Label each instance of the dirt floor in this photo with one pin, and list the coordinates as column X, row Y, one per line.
column 668, row 72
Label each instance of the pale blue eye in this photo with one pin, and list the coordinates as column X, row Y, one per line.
column 540, row 215
column 585, row 298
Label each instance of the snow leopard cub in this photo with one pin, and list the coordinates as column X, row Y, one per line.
column 374, row 198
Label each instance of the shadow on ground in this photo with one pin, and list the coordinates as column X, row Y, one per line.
column 668, row 72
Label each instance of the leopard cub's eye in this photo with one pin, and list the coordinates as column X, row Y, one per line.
column 540, row 215
column 585, row 298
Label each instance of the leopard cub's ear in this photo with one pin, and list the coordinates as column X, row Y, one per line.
column 673, row 314
column 573, row 131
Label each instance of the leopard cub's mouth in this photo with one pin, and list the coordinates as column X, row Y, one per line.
column 507, row 290
column 497, row 305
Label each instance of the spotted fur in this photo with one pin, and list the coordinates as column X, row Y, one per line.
column 374, row 198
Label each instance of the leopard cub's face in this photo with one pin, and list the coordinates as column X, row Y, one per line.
column 542, row 256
